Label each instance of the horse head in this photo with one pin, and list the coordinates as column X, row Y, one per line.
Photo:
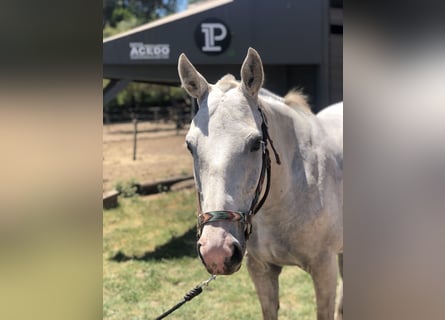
column 227, row 142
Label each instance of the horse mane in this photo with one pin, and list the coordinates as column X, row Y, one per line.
column 296, row 100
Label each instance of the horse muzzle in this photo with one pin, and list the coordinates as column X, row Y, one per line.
column 221, row 257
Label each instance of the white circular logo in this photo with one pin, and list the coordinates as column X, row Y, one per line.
column 212, row 36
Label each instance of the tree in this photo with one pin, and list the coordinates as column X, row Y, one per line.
column 115, row 11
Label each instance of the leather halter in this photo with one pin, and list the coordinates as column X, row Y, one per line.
column 238, row 216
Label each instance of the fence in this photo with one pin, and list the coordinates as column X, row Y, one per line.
column 180, row 113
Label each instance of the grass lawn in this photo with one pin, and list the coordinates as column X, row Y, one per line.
column 150, row 262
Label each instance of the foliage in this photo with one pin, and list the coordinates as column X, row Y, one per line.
column 127, row 189
column 121, row 26
column 121, row 15
column 150, row 262
column 139, row 97
column 143, row 94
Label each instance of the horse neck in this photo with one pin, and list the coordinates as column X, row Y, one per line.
column 294, row 134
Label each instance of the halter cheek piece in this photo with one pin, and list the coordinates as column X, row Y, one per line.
column 238, row 216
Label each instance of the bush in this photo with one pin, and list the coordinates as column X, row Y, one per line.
column 127, row 189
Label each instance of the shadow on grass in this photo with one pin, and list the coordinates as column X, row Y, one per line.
column 177, row 247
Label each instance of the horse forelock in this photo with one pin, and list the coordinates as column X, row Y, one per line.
column 229, row 102
column 227, row 82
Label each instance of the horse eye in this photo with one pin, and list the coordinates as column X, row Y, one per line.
column 189, row 147
column 256, row 145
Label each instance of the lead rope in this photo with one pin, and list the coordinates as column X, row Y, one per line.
column 188, row 296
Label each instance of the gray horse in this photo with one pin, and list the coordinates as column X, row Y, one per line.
column 268, row 174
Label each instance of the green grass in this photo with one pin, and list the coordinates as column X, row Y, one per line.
column 150, row 262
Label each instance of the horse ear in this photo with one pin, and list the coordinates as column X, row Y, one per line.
column 252, row 75
column 192, row 81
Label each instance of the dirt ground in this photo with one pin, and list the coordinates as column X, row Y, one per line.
column 160, row 153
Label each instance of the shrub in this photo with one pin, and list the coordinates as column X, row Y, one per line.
column 127, row 189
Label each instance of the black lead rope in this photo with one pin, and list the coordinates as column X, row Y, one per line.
column 188, row 296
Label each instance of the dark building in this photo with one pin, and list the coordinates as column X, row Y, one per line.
column 300, row 43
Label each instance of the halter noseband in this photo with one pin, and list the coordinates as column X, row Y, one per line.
column 238, row 216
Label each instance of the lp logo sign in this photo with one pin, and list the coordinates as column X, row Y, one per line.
column 212, row 36
column 209, row 30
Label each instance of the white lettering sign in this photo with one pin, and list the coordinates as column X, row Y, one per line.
column 139, row 50
column 210, row 36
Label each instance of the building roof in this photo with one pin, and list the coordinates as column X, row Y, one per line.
column 191, row 10
column 292, row 38
column 284, row 32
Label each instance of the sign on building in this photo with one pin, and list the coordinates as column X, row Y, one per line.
column 212, row 36
column 139, row 50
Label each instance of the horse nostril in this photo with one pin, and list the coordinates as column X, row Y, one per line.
column 237, row 255
column 198, row 247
